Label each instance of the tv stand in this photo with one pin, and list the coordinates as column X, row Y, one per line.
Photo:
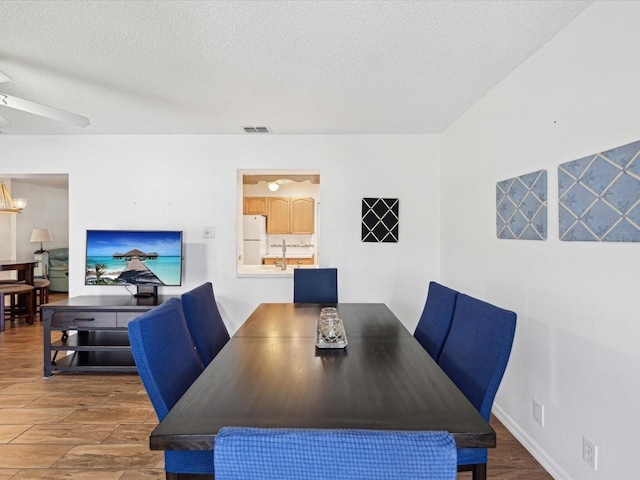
column 144, row 295
column 146, row 291
column 101, row 340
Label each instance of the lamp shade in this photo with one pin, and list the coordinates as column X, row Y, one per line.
column 41, row 235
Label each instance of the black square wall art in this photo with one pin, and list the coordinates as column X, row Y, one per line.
column 380, row 220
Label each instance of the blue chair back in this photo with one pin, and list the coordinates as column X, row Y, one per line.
column 434, row 324
column 168, row 363
column 475, row 356
column 203, row 318
column 300, row 454
column 315, row 285
column 477, row 350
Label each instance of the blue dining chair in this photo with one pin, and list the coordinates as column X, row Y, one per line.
column 243, row 453
column 205, row 324
column 434, row 324
column 315, row 285
column 168, row 363
column 475, row 356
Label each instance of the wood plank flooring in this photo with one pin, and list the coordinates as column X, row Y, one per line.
column 96, row 426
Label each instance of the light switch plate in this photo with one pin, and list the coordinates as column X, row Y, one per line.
column 209, row 232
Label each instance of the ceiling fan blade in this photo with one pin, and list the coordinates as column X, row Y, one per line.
column 4, row 78
column 4, row 123
column 43, row 110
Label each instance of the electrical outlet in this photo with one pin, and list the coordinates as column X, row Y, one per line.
column 209, row 232
column 538, row 412
column 590, row 453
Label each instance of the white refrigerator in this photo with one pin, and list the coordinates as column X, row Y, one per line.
column 254, row 230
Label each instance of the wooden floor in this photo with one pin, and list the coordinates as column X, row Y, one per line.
column 96, row 426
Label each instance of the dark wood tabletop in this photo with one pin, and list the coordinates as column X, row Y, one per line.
column 25, row 268
column 271, row 375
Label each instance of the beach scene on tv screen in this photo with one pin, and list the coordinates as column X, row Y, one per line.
column 133, row 258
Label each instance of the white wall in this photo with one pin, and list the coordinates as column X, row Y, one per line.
column 576, row 345
column 188, row 182
column 46, row 208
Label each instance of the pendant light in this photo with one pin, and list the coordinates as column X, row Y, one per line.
column 8, row 204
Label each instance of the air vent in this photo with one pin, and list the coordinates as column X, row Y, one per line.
column 256, row 129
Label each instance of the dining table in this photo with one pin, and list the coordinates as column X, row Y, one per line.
column 272, row 374
column 25, row 273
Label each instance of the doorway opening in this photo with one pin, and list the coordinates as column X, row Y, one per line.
column 277, row 227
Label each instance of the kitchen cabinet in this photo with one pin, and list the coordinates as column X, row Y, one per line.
column 301, row 216
column 255, row 206
column 290, row 215
column 290, row 261
column 277, row 215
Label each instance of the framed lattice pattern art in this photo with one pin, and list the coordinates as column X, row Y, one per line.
column 380, row 219
column 521, row 207
column 600, row 196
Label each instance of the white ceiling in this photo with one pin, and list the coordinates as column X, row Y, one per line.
column 298, row 67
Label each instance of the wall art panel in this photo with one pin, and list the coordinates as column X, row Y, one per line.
column 380, row 219
column 599, row 196
column 521, row 207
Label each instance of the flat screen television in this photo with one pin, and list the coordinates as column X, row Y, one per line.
column 146, row 259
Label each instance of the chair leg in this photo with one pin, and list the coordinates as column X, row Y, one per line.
column 12, row 308
column 189, row 476
column 18, row 309
column 31, row 307
column 42, row 297
column 480, row 471
column 1, row 312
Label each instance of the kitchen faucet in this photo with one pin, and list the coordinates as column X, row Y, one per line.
column 283, row 265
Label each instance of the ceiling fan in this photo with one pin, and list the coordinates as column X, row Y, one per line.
column 37, row 109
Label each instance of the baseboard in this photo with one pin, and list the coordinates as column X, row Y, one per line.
column 555, row 470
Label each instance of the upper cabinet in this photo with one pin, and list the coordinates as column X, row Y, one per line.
column 301, row 216
column 255, row 206
column 290, row 215
column 277, row 215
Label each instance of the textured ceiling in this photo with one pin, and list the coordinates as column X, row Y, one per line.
column 298, row 67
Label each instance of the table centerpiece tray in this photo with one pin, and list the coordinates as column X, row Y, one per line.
column 331, row 335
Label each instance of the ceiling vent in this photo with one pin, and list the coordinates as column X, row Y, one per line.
column 256, row 129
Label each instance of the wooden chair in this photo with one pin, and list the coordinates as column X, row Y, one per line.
column 16, row 311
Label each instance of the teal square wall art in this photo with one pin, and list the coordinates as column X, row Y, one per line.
column 521, row 207
column 599, row 196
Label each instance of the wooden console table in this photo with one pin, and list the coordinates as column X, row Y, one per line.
column 101, row 340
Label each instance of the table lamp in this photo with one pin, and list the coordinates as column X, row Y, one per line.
column 40, row 235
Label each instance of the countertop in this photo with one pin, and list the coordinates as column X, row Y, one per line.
column 289, row 255
column 268, row 270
